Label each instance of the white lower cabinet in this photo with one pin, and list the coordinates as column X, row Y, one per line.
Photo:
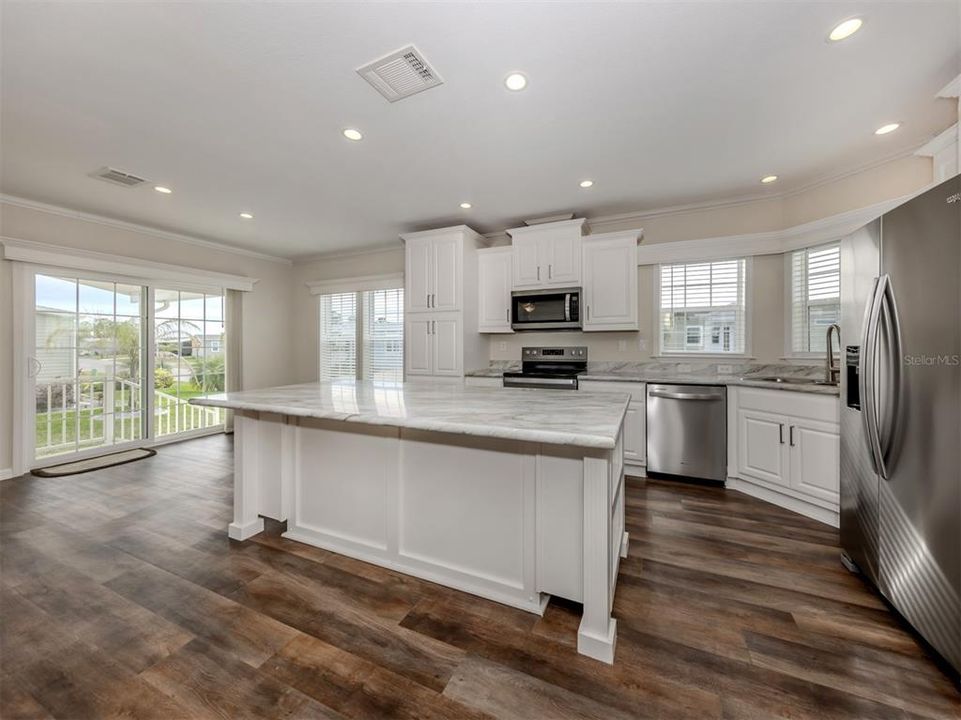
column 635, row 420
column 432, row 344
column 784, row 447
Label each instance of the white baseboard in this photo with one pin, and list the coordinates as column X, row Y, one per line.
column 815, row 512
column 6, row 473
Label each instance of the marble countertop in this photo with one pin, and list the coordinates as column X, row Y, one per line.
column 558, row 417
column 689, row 374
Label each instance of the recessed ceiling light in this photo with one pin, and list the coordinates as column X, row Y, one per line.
column 516, row 81
column 246, row 216
column 162, row 189
column 465, row 206
column 768, row 179
column 353, row 134
column 586, row 183
column 845, row 29
column 885, row 129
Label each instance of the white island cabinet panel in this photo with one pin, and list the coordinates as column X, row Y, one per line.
column 506, row 494
column 323, row 449
column 479, row 496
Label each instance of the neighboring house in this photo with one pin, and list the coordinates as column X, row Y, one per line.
column 55, row 331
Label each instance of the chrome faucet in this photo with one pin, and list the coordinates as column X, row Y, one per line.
column 832, row 372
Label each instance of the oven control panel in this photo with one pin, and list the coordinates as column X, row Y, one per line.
column 555, row 353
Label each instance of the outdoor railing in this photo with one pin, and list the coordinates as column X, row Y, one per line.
column 79, row 416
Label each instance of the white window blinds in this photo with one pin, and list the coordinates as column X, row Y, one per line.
column 702, row 307
column 815, row 296
column 338, row 336
column 383, row 334
column 362, row 335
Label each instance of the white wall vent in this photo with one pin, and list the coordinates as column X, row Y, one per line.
column 401, row 74
column 117, row 177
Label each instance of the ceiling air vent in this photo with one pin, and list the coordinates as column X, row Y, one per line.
column 117, row 177
column 401, row 74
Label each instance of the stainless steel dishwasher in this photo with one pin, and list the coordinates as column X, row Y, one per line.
column 687, row 430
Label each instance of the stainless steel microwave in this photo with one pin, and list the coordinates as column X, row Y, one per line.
column 553, row 309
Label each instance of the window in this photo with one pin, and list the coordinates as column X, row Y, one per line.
column 371, row 320
column 815, row 296
column 702, row 307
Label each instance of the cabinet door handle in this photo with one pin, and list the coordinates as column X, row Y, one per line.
column 538, row 273
column 433, row 327
column 588, row 313
column 780, row 433
column 550, row 272
column 508, row 316
column 792, row 436
column 433, row 300
column 428, row 299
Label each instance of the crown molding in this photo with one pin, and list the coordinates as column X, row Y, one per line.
column 138, row 228
column 775, row 242
column 464, row 229
column 939, row 142
column 38, row 253
column 339, row 254
column 952, row 89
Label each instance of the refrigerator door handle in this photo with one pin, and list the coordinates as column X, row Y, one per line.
column 868, row 374
column 888, row 425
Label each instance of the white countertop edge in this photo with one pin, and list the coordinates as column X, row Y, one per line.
column 549, row 437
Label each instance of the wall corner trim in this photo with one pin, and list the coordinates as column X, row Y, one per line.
column 39, row 253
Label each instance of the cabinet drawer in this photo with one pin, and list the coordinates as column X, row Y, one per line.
column 825, row 408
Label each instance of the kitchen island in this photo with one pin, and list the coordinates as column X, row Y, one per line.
column 512, row 495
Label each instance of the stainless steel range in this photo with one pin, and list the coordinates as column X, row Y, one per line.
column 556, row 368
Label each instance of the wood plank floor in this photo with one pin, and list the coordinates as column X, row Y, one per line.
column 120, row 595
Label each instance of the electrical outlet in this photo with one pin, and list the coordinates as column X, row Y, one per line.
column 502, row 346
column 641, row 343
column 725, row 369
column 622, row 346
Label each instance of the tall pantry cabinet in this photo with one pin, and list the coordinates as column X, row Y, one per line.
column 440, row 303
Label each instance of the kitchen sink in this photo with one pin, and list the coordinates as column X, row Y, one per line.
column 789, row 380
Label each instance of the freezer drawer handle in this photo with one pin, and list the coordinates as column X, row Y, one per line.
column 684, row 396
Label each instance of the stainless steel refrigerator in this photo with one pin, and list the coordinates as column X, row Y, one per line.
column 901, row 411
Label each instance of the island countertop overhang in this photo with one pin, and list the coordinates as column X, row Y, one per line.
column 557, row 417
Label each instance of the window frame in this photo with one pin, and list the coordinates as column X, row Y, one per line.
column 660, row 353
column 789, row 352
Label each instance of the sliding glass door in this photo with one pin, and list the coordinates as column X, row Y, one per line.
column 88, row 364
column 189, row 359
column 116, row 363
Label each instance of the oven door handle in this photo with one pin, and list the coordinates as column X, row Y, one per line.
column 553, row 383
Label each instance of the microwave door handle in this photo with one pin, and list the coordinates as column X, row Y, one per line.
column 567, row 307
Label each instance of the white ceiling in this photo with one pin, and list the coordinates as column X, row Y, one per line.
column 240, row 107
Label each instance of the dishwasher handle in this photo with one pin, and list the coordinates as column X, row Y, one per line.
column 684, row 395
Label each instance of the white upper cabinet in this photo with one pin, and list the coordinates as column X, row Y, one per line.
column 547, row 255
column 610, row 281
column 494, row 290
column 433, row 276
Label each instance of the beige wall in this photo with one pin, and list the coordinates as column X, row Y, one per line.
column 266, row 309
column 281, row 316
column 885, row 182
column 305, row 320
